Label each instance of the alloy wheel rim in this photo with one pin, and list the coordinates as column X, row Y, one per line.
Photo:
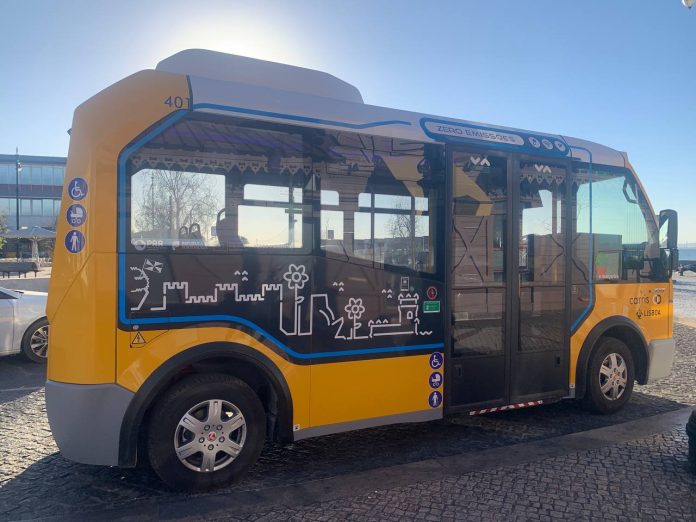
column 613, row 376
column 39, row 342
column 210, row 436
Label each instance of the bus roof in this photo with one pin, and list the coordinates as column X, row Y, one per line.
column 230, row 84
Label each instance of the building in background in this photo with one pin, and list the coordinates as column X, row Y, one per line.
column 40, row 189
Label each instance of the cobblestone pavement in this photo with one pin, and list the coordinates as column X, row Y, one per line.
column 36, row 482
column 645, row 479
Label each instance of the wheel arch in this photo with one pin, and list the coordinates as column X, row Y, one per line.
column 219, row 357
column 620, row 328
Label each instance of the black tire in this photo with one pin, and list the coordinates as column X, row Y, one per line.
column 171, row 408
column 36, row 328
column 595, row 399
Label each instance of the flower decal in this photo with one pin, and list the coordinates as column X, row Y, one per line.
column 354, row 308
column 296, row 276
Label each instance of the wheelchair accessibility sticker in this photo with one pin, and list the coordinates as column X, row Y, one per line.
column 436, row 360
column 77, row 189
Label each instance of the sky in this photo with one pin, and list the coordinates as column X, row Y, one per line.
column 618, row 72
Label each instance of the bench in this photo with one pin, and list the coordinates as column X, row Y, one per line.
column 20, row 267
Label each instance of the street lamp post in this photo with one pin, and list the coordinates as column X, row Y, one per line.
column 18, row 169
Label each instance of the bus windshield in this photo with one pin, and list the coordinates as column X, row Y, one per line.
column 623, row 227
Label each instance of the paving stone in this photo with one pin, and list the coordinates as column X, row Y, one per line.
column 644, row 479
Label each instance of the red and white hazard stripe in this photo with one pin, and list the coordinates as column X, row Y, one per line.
column 508, row 407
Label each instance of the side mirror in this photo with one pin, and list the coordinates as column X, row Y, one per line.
column 669, row 230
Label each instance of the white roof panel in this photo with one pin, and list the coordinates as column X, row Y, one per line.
column 250, row 71
column 246, row 87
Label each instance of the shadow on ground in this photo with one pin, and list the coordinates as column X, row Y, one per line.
column 19, row 377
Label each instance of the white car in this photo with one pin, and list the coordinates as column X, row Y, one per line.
column 23, row 324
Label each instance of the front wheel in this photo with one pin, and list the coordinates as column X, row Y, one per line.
column 610, row 376
column 205, row 432
column 35, row 342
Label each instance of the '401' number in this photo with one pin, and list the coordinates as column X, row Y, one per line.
column 178, row 102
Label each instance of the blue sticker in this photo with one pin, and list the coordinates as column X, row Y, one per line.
column 74, row 241
column 435, row 399
column 77, row 189
column 436, row 360
column 76, row 215
column 435, row 380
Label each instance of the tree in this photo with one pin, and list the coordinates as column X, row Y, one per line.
column 171, row 199
column 407, row 232
column 405, row 226
column 3, row 229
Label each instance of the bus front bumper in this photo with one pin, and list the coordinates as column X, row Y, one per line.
column 86, row 420
column 660, row 359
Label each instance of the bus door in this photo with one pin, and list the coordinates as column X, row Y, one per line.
column 508, row 334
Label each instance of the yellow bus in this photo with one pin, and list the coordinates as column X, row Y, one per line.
column 248, row 251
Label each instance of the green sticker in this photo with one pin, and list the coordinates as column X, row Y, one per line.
column 431, row 307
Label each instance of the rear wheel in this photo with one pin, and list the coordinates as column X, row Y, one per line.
column 205, row 432
column 35, row 342
column 610, row 376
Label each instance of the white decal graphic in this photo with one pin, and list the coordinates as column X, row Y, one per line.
column 292, row 308
column 145, row 288
column 480, row 161
column 153, row 266
column 542, row 168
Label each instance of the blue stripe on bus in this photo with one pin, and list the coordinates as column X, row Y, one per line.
column 282, row 346
column 279, row 115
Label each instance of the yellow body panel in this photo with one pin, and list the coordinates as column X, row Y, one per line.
column 340, row 392
column 82, row 292
column 354, row 390
column 137, row 360
column 635, row 301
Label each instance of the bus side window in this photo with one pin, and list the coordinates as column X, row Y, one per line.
column 332, row 223
column 271, row 216
column 175, row 208
column 220, row 184
column 373, row 206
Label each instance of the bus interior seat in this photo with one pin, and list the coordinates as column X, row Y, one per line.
column 227, row 230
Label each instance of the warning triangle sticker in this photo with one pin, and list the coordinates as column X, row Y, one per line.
column 138, row 340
